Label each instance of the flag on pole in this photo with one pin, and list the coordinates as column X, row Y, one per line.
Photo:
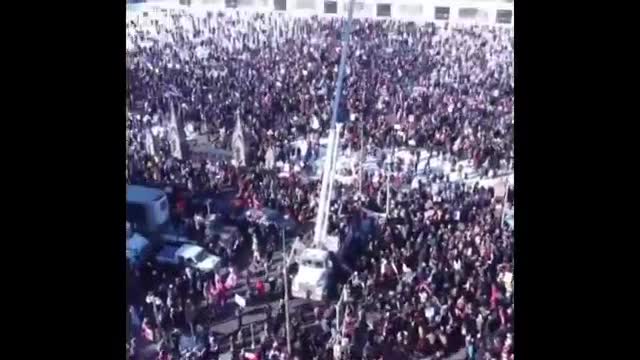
column 237, row 143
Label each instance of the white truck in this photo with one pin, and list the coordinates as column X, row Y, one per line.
column 190, row 255
column 315, row 274
column 147, row 208
column 322, row 266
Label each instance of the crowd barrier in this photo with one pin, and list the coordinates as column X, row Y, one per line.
column 479, row 12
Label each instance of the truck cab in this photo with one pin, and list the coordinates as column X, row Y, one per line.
column 315, row 275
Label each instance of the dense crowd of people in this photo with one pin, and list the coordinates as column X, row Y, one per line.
column 435, row 276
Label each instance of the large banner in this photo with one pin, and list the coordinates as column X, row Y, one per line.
column 174, row 135
column 237, row 144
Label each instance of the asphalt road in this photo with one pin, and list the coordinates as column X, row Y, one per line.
column 254, row 315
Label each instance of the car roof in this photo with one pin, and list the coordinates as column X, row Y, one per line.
column 315, row 254
column 188, row 251
column 167, row 252
column 142, row 194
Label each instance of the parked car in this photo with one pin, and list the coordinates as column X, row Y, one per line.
column 189, row 255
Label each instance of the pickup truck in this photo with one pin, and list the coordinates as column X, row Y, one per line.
column 191, row 255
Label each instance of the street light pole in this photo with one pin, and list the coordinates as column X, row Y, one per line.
column 504, row 202
column 363, row 155
column 286, row 292
column 393, row 155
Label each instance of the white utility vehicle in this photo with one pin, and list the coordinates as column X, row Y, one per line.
column 315, row 272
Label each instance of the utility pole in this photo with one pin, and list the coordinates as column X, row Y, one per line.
column 363, row 155
column 253, row 341
column 286, row 292
column 393, row 155
column 504, row 201
column 338, row 304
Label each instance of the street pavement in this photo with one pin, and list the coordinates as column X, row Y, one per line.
column 254, row 315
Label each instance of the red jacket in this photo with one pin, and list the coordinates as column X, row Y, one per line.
column 181, row 206
column 260, row 287
column 494, row 296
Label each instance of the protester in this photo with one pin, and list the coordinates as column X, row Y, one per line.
column 435, row 276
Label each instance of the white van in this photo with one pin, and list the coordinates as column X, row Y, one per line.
column 147, row 208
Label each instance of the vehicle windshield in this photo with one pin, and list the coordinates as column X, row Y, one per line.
column 200, row 256
column 167, row 228
column 314, row 264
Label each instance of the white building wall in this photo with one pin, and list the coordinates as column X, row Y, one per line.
column 409, row 10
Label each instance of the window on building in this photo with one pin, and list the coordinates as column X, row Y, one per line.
column 383, row 10
column 504, row 16
column 280, row 5
column 442, row 13
column 330, row 7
